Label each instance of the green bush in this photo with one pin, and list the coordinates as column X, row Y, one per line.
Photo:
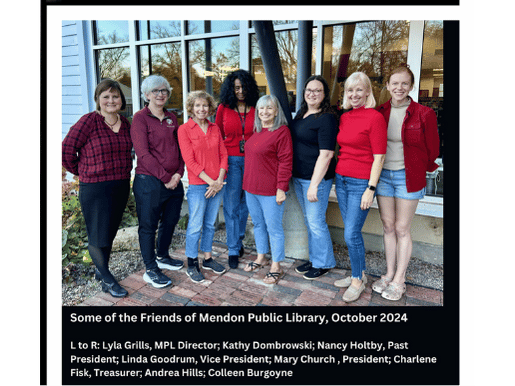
column 74, row 235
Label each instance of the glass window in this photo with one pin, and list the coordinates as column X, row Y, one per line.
column 150, row 29
column 287, row 42
column 210, row 60
column 164, row 60
column 207, row 26
column 374, row 48
column 431, row 90
column 114, row 63
column 111, row 31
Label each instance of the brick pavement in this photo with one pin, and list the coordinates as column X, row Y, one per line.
column 239, row 288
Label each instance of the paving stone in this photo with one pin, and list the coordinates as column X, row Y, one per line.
column 172, row 298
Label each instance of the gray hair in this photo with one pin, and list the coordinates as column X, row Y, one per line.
column 280, row 119
column 352, row 81
column 151, row 82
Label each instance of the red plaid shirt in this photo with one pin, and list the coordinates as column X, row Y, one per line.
column 95, row 153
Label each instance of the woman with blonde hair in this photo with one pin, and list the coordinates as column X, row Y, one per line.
column 362, row 140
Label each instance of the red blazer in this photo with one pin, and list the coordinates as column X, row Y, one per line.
column 420, row 141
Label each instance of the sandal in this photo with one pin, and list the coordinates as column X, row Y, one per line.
column 273, row 277
column 380, row 285
column 252, row 266
column 394, row 291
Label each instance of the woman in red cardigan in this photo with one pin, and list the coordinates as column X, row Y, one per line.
column 235, row 118
column 413, row 146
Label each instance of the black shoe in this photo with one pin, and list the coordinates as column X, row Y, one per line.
column 156, row 278
column 242, row 251
column 303, row 268
column 233, row 261
column 114, row 289
column 315, row 273
column 168, row 263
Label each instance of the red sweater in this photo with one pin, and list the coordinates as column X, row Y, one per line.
column 95, row 153
column 268, row 162
column 156, row 145
column 362, row 134
column 202, row 152
column 420, row 141
column 230, row 125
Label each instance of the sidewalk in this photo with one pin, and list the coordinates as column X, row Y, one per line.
column 239, row 288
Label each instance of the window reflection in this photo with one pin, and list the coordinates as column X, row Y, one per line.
column 164, row 60
column 207, row 26
column 374, row 48
column 111, row 31
column 210, row 60
column 431, row 90
column 150, row 29
column 114, row 63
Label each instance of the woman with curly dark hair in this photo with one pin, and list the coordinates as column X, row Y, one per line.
column 235, row 118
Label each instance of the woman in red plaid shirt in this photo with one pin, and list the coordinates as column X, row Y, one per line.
column 98, row 150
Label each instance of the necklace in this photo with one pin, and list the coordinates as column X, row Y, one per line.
column 112, row 126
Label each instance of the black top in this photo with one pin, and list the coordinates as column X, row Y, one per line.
column 310, row 135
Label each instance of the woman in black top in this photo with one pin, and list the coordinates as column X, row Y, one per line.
column 314, row 131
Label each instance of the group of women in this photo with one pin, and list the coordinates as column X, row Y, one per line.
column 247, row 158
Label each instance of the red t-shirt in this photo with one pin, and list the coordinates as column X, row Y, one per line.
column 230, row 124
column 202, row 152
column 362, row 134
column 268, row 162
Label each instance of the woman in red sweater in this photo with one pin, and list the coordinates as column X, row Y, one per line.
column 362, row 140
column 205, row 156
column 235, row 118
column 268, row 169
column 413, row 146
column 98, row 150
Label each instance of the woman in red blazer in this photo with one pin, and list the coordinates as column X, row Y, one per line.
column 412, row 148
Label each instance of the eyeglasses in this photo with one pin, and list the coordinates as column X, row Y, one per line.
column 163, row 91
column 316, row 92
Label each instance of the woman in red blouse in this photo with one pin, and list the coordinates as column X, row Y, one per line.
column 268, row 169
column 205, row 156
column 98, row 150
column 362, row 140
column 413, row 146
column 235, row 118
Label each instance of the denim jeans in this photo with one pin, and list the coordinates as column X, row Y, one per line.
column 202, row 216
column 349, row 192
column 321, row 252
column 267, row 217
column 235, row 207
column 392, row 183
column 158, row 209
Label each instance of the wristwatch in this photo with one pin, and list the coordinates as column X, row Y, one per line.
column 372, row 188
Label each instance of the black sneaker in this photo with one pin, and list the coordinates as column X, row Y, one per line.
column 303, row 268
column 114, row 289
column 194, row 274
column 214, row 266
column 156, row 278
column 315, row 273
column 168, row 263
column 233, row 261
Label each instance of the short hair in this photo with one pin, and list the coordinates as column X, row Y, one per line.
column 151, row 82
column 400, row 70
column 353, row 80
column 325, row 105
column 227, row 96
column 193, row 96
column 280, row 119
column 105, row 85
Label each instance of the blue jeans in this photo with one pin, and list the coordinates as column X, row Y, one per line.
column 235, row 207
column 321, row 252
column 158, row 209
column 267, row 217
column 349, row 192
column 202, row 216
